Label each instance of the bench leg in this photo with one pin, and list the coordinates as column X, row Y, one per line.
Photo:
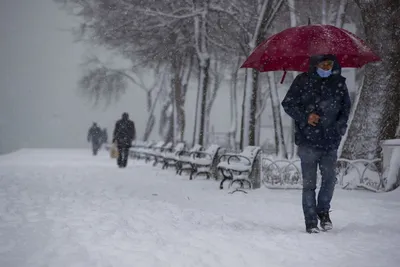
column 165, row 165
column 182, row 168
column 155, row 161
column 192, row 171
column 204, row 172
column 178, row 167
column 242, row 182
column 226, row 178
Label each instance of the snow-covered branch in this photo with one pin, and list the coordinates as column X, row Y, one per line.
column 170, row 15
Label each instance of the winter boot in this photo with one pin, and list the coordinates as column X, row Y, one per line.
column 312, row 229
column 325, row 221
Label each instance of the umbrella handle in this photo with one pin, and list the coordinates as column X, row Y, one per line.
column 283, row 77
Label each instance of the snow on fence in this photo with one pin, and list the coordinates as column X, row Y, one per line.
column 351, row 174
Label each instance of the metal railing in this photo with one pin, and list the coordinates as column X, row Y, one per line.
column 350, row 174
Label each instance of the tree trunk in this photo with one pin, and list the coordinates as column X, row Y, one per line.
column 233, row 108
column 201, row 46
column 211, row 99
column 151, row 118
column 159, row 86
column 323, row 11
column 186, row 73
column 253, row 109
column 242, row 120
column 291, row 141
column 166, row 127
column 267, row 13
column 277, row 117
column 204, row 69
column 180, row 80
column 341, row 13
column 376, row 116
column 179, row 107
column 196, row 113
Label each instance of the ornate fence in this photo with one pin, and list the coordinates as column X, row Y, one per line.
column 351, row 174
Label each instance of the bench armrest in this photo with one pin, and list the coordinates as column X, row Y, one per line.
column 183, row 153
column 238, row 157
column 196, row 154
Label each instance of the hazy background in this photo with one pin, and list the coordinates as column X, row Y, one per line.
column 39, row 102
column 40, row 105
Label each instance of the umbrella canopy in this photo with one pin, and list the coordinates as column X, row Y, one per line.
column 291, row 49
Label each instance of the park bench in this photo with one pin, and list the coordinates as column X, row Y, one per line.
column 155, row 152
column 158, row 154
column 202, row 162
column 239, row 167
column 183, row 159
column 139, row 149
column 169, row 156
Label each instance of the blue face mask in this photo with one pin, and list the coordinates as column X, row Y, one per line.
column 324, row 73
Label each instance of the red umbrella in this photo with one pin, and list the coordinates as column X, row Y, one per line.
column 291, row 49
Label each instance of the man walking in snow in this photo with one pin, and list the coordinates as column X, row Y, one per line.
column 319, row 103
column 94, row 136
column 124, row 134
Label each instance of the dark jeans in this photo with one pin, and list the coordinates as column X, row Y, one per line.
column 311, row 158
column 123, row 155
column 95, row 147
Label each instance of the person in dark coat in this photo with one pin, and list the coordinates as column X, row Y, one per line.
column 104, row 136
column 95, row 137
column 319, row 103
column 124, row 134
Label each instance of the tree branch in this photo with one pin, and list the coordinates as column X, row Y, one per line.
column 159, row 13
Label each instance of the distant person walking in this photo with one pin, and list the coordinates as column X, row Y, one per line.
column 124, row 134
column 105, row 136
column 95, row 137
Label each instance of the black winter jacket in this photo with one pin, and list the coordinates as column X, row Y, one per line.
column 327, row 97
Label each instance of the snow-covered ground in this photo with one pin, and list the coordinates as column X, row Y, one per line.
column 66, row 208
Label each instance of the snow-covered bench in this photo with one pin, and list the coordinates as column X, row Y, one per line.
column 158, row 154
column 139, row 149
column 238, row 167
column 148, row 152
column 183, row 159
column 202, row 162
column 169, row 156
column 156, row 151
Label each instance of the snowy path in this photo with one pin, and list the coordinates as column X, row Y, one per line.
column 66, row 208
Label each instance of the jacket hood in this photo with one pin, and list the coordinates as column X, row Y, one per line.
column 314, row 60
column 125, row 116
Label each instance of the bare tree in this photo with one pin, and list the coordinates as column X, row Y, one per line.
column 266, row 15
column 233, row 103
column 102, row 82
column 196, row 13
column 248, row 23
column 146, row 39
column 276, row 112
column 216, row 79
